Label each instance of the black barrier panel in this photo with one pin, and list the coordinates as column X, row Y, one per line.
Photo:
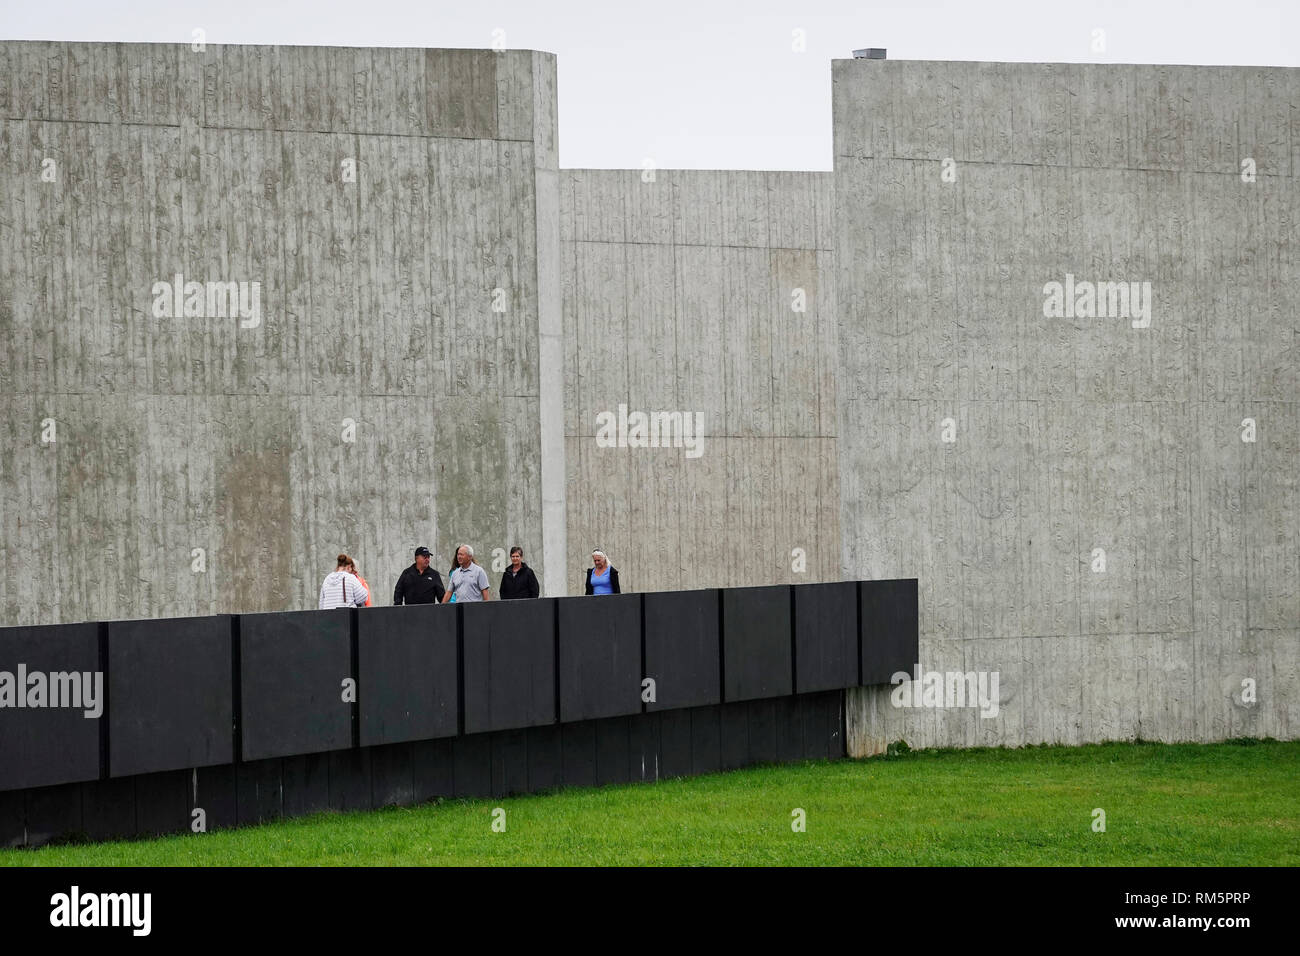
column 600, row 657
column 42, row 744
column 814, row 719
column 839, row 733
column 681, row 648
column 509, row 663
column 706, row 754
column 392, row 782
column 756, row 643
column 162, row 803
column 825, row 636
column 172, row 692
column 789, row 729
column 305, row 784
column 292, row 671
column 108, row 809
column 53, row 813
column 643, row 745
column 822, row 725
column 12, row 818
column 509, row 763
column 612, row 752
column 350, row 783
column 675, row 743
column 735, row 735
column 214, row 790
column 890, row 632
column 407, row 679
column 578, row 742
column 473, row 765
column 433, row 769
column 260, row 792
column 762, row 731
column 545, row 758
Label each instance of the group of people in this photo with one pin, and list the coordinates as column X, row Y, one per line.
column 422, row 584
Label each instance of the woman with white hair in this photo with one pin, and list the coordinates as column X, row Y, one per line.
column 602, row 578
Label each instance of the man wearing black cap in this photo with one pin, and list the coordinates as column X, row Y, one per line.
column 419, row 584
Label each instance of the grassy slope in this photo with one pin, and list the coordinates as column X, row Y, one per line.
column 1189, row 804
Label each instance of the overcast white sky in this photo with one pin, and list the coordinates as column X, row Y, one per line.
column 705, row 84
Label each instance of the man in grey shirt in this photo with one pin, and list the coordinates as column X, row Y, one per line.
column 469, row 582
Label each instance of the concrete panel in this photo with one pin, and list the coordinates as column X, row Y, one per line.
column 1068, row 437
column 195, row 433
column 1062, row 113
column 719, row 207
column 1052, row 678
column 731, row 248
column 550, row 361
column 792, row 205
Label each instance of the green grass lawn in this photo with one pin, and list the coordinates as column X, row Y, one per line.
column 1190, row 804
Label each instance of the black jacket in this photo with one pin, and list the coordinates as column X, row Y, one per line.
column 521, row 585
column 613, row 580
column 416, row 588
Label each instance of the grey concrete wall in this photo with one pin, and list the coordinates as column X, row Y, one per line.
column 678, row 296
column 1074, row 434
column 960, row 190
column 377, row 306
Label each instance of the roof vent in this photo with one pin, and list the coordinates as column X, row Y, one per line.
column 871, row 53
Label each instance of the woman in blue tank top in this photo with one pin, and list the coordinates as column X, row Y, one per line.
column 603, row 577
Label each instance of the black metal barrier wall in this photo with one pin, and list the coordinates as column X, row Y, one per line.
column 198, row 723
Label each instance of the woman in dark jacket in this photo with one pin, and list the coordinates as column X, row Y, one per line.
column 603, row 578
column 518, row 580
